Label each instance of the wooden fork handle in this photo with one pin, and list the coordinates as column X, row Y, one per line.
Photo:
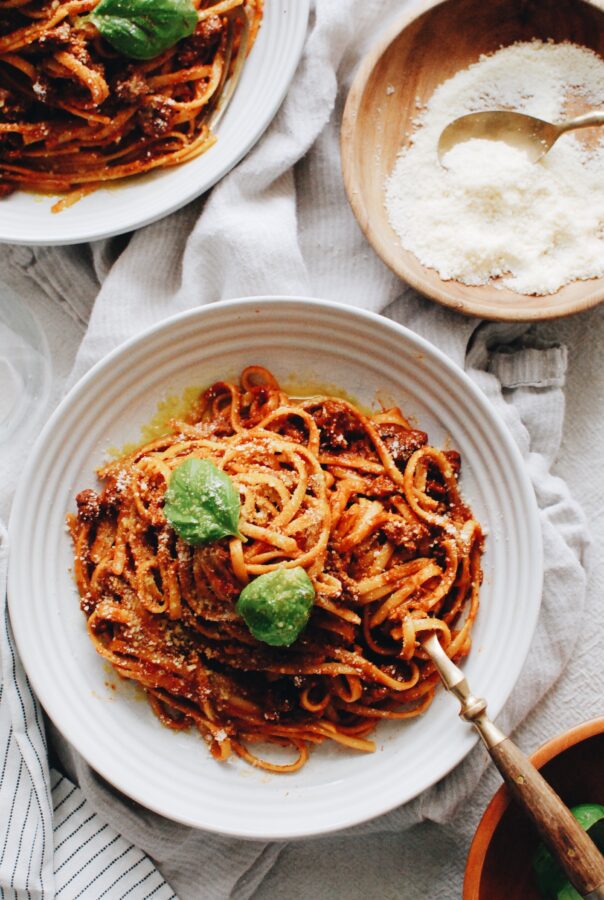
column 576, row 852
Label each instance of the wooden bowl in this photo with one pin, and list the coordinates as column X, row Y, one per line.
column 415, row 56
column 499, row 862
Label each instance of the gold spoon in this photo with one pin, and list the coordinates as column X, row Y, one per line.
column 576, row 852
column 534, row 136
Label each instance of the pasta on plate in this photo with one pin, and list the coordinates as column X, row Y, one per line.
column 77, row 113
column 352, row 515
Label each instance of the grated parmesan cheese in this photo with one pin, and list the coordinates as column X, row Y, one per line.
column 492, row 214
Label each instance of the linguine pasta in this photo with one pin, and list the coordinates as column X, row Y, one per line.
column 76, row 114
column 362, row 503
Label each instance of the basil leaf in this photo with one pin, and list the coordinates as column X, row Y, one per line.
column 551, row 880
column 276, row 606
column 202, row 503
column 143, row 29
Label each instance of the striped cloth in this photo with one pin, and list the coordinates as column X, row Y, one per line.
column 52, row 843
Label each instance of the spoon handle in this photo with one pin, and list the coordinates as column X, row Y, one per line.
column 572, row 846
column 585, row 121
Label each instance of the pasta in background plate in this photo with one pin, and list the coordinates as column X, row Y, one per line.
column 76, row 113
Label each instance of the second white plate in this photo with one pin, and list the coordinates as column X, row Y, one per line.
column 26, row 218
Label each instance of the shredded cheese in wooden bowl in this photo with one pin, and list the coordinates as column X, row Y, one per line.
column 491, row 216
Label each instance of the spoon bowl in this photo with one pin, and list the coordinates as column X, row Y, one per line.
column 532, row 136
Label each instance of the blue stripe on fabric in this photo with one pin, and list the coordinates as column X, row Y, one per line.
column 105, row 869
column 54, row 784
column 12, row 880
column 123, row 875
column 66, row 797
column 12, row 809
column 158, row 888
column 81, row 847
column 39, row 726
column 31, row 744
column 75, row 831
column 138, row 883
column 4, row 764
column 6, row 757
column 31, row 856
column 87, row 863
column 69, row 815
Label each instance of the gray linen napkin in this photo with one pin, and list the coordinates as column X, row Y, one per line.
column 280, row 223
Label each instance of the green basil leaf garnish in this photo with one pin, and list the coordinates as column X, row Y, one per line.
column 276, row 606
column 143, row 29
column 202, row 503
column 551, row 880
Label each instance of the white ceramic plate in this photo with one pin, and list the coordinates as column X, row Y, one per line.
column 25, row 218
column 171, row 773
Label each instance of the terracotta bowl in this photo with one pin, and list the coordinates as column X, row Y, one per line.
column 414, row 56
column 499, row 861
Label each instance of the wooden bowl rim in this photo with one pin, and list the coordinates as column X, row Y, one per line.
column 469, row 307
column 501, row 800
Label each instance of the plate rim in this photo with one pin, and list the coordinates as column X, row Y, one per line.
column 76, row 235
column 42, row 687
